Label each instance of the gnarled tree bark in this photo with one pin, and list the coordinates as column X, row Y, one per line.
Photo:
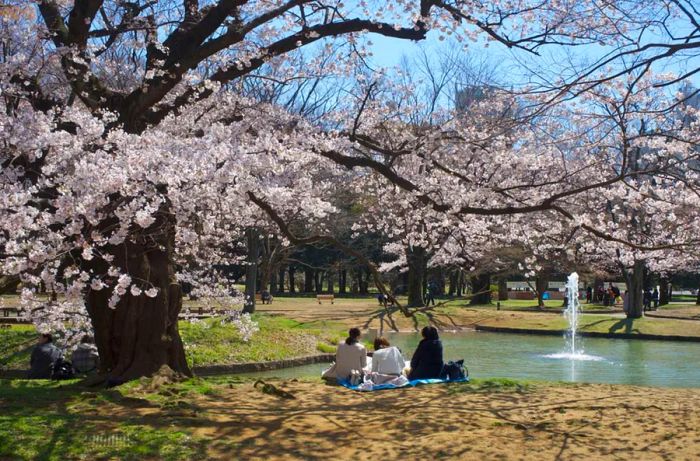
column 141, row 334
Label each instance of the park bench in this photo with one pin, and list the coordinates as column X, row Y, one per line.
column 267, row 299
column 320, row 298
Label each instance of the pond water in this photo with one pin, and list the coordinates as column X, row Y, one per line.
column 614, row 361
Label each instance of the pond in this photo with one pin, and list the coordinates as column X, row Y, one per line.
column 613, row 361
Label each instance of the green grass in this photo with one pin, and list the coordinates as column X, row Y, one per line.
column 525, row 305
column 209, row 342
column 16, row 345
column 488, row 385
column 44, row 420
column 605, row 324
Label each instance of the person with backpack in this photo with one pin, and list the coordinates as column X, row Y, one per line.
column 427, row 359
column 85, row 357
column 44, row 357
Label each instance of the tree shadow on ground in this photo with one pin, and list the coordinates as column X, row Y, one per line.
column 57, row 421
column 241, row 422
column 626, row 324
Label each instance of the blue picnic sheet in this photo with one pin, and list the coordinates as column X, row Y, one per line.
column 413, row 383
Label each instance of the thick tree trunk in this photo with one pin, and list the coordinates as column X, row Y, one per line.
column 481, row 289
column 308, row 280
column 416, row 258
column 440, row 282
column 342, row 281
column 280, row 280
column 331, row 280
column 141, row 334
column 461, row 282
column 265, row 268
column 635, row 290
column 363, row 280
column 541, row 284
column 273, row 280
column 355, row 283
column 663, row 291
column 503, row 289
column 597, row 285
column 318, row 283
column 251, row 270
column 292, row 286
column 453, row 284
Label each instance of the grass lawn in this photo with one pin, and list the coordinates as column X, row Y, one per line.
column 210, row 343
column 293, row 327
column 603, row 324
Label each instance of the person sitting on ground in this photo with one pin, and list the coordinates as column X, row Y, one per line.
column 427, row 359
column 85, row 357
column 44, row 355
column 266, row 297
column 387, row 359
column 382, row 299
column 351, row 355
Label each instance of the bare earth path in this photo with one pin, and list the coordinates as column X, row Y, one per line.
column 366, row 313
column 545, row 422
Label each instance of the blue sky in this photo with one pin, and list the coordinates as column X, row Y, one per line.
column 388, row 52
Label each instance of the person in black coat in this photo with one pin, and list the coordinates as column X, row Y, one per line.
column 427, row 360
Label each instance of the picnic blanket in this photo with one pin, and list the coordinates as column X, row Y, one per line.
column 413, row 383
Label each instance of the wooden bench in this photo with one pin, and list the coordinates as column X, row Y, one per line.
column 320, row 298
column 259, row 298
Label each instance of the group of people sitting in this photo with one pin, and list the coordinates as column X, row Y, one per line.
column 46, row 358
column 388, row 364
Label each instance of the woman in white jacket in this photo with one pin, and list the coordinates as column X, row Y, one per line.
column 351, row 355
column 387, row 361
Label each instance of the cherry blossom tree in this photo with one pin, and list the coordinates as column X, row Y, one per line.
column 131, row 162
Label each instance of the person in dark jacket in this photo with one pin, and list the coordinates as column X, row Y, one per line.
column 427, row 360
column 43, row 357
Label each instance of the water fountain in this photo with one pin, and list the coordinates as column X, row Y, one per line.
column 571, row 312
column 574, row 350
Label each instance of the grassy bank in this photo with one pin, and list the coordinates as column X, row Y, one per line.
column 602, row 324
column 210, row 342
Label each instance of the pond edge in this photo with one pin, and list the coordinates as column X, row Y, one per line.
column 588, row 334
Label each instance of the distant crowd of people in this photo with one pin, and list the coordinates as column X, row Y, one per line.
column 612, row 296
column 48, row 362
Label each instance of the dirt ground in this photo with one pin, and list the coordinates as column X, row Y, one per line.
column 542, row 422
column 366, row 314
